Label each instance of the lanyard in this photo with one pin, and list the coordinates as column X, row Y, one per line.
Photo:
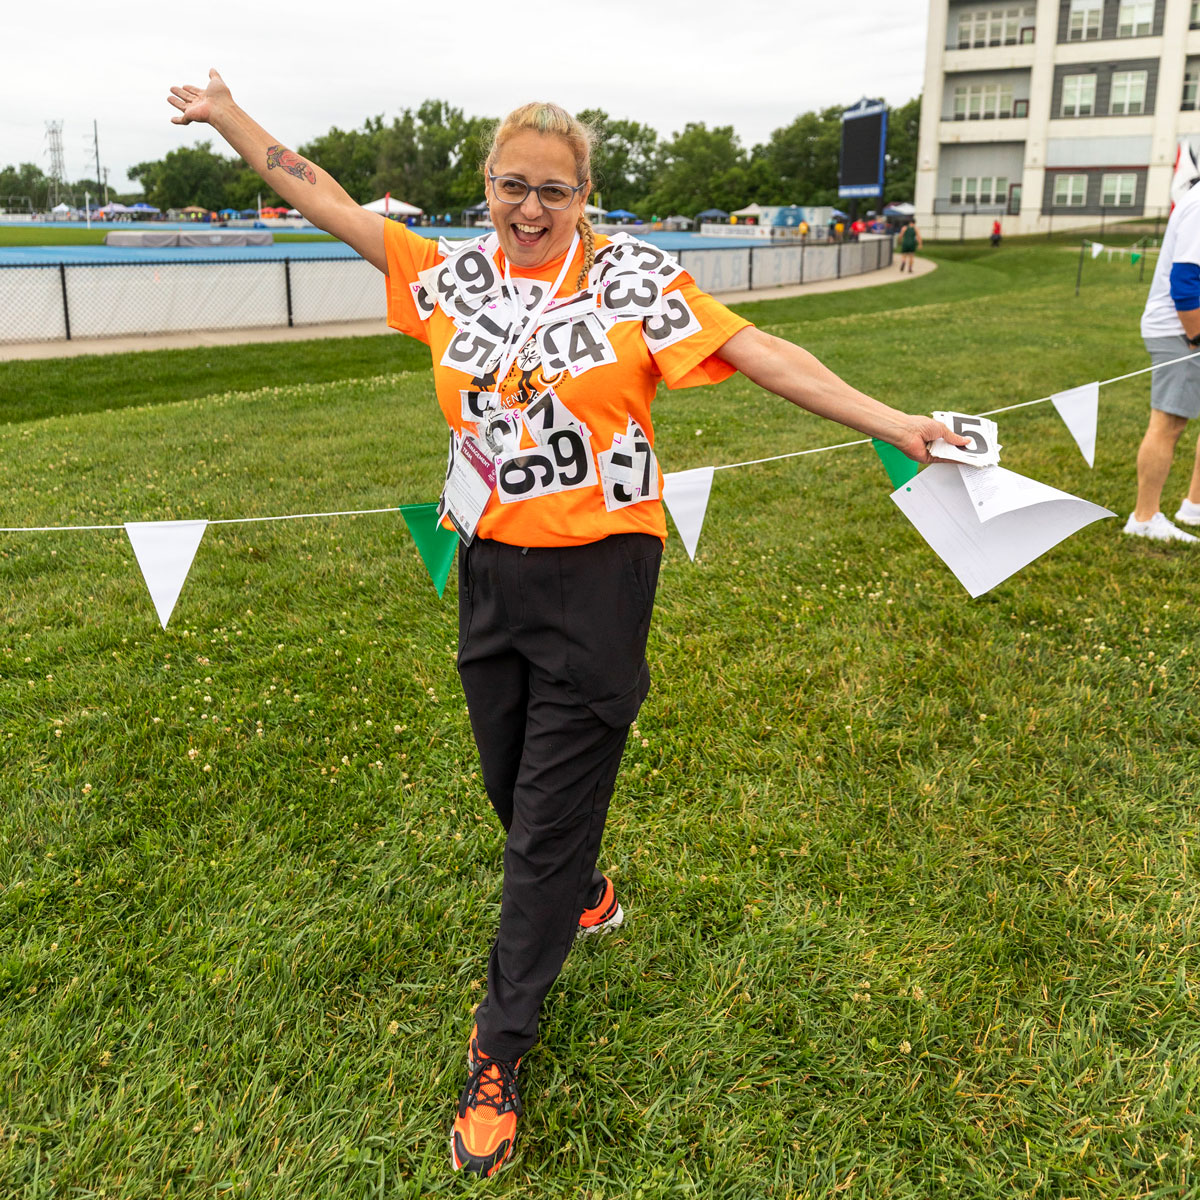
column 525, row 327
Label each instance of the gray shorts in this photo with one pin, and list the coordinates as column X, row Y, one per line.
column 1174, row 389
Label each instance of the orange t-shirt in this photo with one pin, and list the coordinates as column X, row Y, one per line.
column 570, row 422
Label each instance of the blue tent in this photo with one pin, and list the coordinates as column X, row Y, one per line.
column 248, row 212
column 712, row 214
column 622, row 214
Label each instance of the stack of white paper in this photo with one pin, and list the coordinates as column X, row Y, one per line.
column 986, row 523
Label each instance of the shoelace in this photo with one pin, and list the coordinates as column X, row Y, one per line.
column 493, row 1084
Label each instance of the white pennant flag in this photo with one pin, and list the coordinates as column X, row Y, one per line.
column 685, row 493
column 1097, row 249
column 1078, row 407
column 164, row 551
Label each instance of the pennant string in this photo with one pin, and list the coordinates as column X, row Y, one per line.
column 753, row 462
column 357, row 512
column 794, row 454
column 1103, row 382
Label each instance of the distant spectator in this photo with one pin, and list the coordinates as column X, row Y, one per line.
column 910, row 243
column 996, row 232
column 857, row 227
column 803, row 228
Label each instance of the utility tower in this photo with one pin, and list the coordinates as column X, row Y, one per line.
column 58, row 170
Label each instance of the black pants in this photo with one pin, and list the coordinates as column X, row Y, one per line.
column 552, row 655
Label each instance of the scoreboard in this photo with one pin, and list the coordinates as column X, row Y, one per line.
column 864, row 140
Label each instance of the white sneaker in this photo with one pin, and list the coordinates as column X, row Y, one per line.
column 1159, row 529
column 1188, row 513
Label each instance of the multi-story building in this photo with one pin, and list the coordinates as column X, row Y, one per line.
column 1054, row 113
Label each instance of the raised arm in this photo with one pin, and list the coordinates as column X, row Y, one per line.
column 304, row 185
column 791, row 372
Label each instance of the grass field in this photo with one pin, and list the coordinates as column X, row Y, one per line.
column 911, row 910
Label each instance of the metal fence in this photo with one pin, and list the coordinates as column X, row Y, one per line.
column 42, row 302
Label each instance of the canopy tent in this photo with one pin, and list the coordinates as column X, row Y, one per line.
column 115, row 206
column 751, row 210
column 620, row 214
column 899, row 210
column 232, row 212
column 61, row 208
column 393, row 207
column 293, row 212
column 712, row 214
column 837, row 212
column 592, row 211
column 142, row 207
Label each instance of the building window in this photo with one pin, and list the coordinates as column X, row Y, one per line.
column 1128, row 93
column 1020, row 108
column 1194, row 19
column 1118, row 191
column 982, row 101
column 1078, row 95
column 1135, row 18
column 995, row 26
column 1083, row 22
column 1191, row 85
column 1070, row 191
column 979, row 189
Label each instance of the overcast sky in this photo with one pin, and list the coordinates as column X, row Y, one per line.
column 299, row 66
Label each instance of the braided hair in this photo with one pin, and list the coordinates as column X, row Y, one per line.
column 588, row 236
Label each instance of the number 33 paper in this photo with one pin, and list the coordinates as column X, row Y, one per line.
column 985, row 525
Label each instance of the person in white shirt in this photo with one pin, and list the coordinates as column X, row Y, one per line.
column 1171, row 331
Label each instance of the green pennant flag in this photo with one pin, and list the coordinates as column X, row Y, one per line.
column 435, row 545
column 1134, row 255
column 899, row 467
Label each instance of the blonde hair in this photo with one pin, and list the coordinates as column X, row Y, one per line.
column 541, row 117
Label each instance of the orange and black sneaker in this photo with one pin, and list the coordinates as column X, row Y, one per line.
column 485, row 1128
column 604, row 915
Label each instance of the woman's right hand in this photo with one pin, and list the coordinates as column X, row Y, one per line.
column 199, row 104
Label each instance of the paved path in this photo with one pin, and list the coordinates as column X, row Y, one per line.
column 233, row 337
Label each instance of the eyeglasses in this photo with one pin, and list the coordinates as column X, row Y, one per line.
column 510, row 190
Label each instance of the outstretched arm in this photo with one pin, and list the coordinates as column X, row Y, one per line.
column 304, row 185
column 791, row 372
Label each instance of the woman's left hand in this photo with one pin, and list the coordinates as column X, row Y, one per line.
column 917, row 434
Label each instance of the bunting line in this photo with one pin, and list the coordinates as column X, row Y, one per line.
column 753, row 462
column 356, row 512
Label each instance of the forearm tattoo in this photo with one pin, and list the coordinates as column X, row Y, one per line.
column 293, row 164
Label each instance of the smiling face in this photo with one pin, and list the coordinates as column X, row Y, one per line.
column 532, row 235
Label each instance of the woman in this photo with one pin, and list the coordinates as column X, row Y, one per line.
column 910, row 241
column 548, row 344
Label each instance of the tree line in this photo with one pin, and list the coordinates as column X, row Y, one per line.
column 431, row 157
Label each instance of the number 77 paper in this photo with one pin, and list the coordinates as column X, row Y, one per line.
column 986, row 523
